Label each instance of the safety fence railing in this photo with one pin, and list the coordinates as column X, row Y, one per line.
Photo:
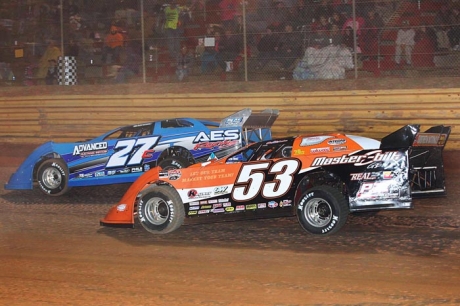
column 138, row 41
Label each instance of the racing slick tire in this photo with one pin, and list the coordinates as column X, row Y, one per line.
column 172, row 163
column 322, row 210
column 53, row 177
column 160, row 209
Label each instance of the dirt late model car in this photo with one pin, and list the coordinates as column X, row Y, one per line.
column 318, row 178
column 123, row 154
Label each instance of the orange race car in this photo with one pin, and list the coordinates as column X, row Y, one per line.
column 318, row 178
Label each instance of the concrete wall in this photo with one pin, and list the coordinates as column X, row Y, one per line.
column 36, row 119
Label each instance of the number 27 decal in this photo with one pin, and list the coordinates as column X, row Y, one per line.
column 251, row 179
column 124, row 156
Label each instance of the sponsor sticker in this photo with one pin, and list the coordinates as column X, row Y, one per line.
column 87, row 149
column 336, row 142
column 358, row 160
column 320, row 150
column 429, row 139
column 311, row 141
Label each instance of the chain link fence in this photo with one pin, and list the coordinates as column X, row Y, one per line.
column 142, row 41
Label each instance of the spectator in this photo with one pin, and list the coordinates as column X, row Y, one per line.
column 335, row 36
column 348, row 39
column 323, row 9
column 52, row 53
column 172, row 29
column 52, row 73
column 319, row 39
column 184, row 62
column 277, row 16
column 343, row 6
column 289, row 47
column 338, row 19
column 304, row 13
column 442, row 26
column 72, row 49
column 369, row 38
column 454, row 32
column 322, row 24
column 267, row 47
column 209, row 55
column 424, row 48
column 113, row 45
column 357, row 25
column 405, row 41
column 132, row 62
column 228, row 11
column 231, row 45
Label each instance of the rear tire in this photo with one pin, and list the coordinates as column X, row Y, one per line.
column 160, row 209
column 322, row 210
column 53, row 177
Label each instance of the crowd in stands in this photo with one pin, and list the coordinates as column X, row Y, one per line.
column 284, row 32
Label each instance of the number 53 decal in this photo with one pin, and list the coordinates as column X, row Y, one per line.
column 251, row 179
column 131, row 151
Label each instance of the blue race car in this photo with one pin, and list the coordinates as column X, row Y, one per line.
column 123, row 154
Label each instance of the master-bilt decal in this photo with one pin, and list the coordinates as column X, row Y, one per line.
column 358, row 160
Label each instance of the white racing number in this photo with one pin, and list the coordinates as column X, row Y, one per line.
column 124, row 156
column 251, row 179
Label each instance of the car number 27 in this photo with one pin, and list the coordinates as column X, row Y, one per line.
column 124, row 156
column 251, row 179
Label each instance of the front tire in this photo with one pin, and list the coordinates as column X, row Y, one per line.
column 53, row 177
column 172, row 163
column 322, row 210
column 160, row 210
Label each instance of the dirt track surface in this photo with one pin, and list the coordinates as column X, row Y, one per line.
column 53, row 252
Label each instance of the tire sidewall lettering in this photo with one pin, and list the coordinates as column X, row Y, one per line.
column 61, row 170
column 176, row 164
column 304, row 199
column 331, row 225
column 57, row 166
column 141, row 212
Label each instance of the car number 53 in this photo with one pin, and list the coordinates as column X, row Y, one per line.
column 251, row 179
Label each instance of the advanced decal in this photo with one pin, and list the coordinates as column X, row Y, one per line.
column 90, row 149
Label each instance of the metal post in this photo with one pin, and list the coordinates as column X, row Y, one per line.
column 62, row 43
column 355, row 44
column 204, row 10
column 143, row 42
column 245, row 57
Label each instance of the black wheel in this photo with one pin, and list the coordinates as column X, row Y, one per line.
column 171, row 163
column 53, row 177
column 160, row 210
column 322, row 210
